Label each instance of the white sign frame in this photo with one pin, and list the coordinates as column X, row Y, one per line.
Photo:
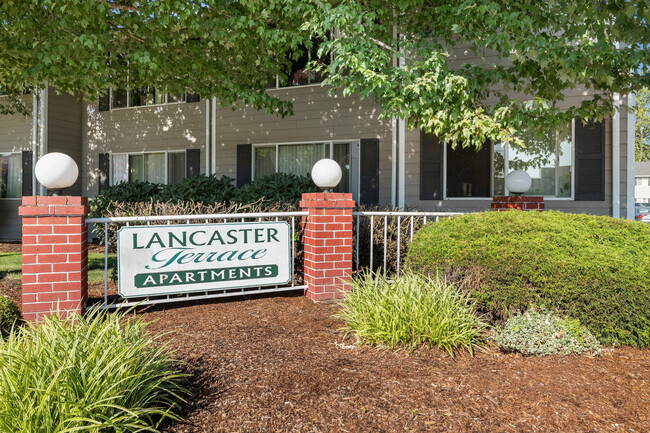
column 130, row 260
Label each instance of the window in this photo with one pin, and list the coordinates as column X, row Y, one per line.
column 157, row 167
column 299, row 158
column 296, row 73
column 11, row 175
column 548, row 161
column 122, row 98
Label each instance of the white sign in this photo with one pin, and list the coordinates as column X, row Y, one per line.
column 163, row 260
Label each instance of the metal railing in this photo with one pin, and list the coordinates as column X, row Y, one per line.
column 387, row 234
column 296, row 278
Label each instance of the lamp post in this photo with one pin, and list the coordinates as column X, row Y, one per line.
column 518, row 182
column 56, row 171
column 326, row 174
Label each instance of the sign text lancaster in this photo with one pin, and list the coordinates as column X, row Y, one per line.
column 163, row 260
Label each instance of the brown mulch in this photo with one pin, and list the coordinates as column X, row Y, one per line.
column 279, row 364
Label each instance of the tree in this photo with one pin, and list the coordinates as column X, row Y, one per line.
column 230, row 49
column 642, row 131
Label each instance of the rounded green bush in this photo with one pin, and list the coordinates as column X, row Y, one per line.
column 9, row 315
column 591, row 268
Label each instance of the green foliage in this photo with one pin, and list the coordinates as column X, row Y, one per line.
column 274, row 188
column 10, row 265
column 590, row 268
column 543, row 333
column 9, row 316
column 642, row 130
column 412, row 311
column 200, row 189
column 127, row 192
column 101, row 372
column 229, row 50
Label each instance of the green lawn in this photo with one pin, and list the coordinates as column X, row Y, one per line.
column 10, row 264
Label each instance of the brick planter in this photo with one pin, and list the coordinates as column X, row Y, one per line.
column 518, row 202
column 327, row 240
column 55, row 255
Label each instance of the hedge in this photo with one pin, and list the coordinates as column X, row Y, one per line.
column 591, row 268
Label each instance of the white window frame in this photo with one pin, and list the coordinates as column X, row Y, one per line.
column 21, row 174
column 331, row 155
column 128, row 101
column 144, row 152
column 506, row 151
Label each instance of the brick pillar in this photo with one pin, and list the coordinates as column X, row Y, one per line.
column 327, row 240
column 55, row 255
column 519, row 202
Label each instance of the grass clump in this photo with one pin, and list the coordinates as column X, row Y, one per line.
column 9, row 316
column 591, row 268
column 100, row 373
column 412, row 311
column 542, row 333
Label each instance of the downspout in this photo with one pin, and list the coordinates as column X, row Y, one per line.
column 616, row 158
column 402, row 150
column 43, row 119
column 207, row 137
column 213, row 135
column 393, row 123
column 35, row 102
column 393, row 171
column 631, row 156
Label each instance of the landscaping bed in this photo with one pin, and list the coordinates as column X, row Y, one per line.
column 280, row 364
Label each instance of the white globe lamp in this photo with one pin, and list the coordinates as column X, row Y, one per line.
column 326, row 174
column 56, row 171
column 518, row 182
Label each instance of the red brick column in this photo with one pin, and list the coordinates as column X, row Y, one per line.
column 55, row 255
column 519, row 202
column 327, row 240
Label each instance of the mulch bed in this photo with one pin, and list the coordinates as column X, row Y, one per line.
column 279, row 364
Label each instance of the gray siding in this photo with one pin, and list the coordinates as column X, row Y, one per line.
column 64, row 131
column 153, row 128
column 317, row 116
column 15, row 136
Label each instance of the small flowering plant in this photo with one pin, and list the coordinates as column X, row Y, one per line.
column 543, row 333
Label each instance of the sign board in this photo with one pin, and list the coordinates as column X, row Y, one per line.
column 172, row 259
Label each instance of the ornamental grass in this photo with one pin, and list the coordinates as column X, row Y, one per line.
column 411, row 311
column 99, row 373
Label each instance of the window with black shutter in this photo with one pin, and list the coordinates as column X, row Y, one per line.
column 590, row 160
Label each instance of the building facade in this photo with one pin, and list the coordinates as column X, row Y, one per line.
column 642, row 182
column 163, row 138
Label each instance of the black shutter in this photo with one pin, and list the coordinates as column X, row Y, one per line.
column 192, row 162
column 430, row 167
column 104, row 168
column 28, row 158
column 369, row 162
column 244, row 164
column 590, row 160
column 105, row 102
column 192, row 97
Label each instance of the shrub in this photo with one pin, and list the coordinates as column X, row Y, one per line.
column 543, row 333
column 278, row 187
column 593, row 269
column 201, row 189
column 99, row 373
column 412, row 311
column 9, row 315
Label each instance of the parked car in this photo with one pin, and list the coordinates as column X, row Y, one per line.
column 642, row 212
